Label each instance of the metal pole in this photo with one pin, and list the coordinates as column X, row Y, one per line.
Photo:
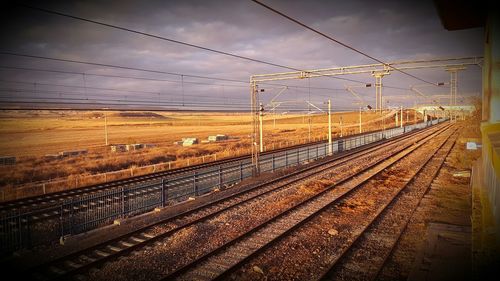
column 383, row 125
column 309, row 121
column 360, row 120
column 255, row 124
column 106, row 127
column 329, row 128
column 274, row 118
column 401, row 117
column 260, row 130
column 341, row 133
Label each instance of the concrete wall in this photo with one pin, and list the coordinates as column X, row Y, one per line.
column 490, row 126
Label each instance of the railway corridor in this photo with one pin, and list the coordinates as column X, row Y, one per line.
column 251, row 233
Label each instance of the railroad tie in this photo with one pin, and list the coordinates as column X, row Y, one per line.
column 138, row 240
column 126, row 244
column 56, row 270
column 101, row 253
column 86, row 258
column 147, row 235
column 72, row 264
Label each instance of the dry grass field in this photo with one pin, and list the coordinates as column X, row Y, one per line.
column 30, row 135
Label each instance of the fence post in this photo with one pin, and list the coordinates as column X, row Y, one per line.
column 220, row 176
column 298, row 156
column 20, row 221
column 272, row 157
column 71, row 208
column 286, row 158
column 241, row 171
column 162, row 192
column 61, row 221
column 123, row 201
column 194, row 184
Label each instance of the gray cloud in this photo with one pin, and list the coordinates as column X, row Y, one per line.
column 389, row 30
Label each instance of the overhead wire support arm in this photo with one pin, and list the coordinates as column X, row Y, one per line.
column 339, row 42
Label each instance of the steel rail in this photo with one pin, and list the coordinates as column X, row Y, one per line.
column 384, row 211
column 139, row 238
column 297, row 221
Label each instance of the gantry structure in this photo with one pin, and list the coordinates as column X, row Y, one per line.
column 378, row 71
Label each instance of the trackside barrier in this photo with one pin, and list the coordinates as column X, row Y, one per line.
column 81, row 214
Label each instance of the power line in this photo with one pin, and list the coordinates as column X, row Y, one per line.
column 105, row 89
column 116, row 66
column 95, row 103
column 132, row 77
column 337, row 41
column 173, row 40
column 164, row 80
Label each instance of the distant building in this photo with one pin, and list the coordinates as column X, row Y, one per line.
column 217, row 138
column 7, row 160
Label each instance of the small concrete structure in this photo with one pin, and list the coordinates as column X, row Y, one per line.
column 118, row 147
column 217, row 138
column 52, row 156
column 73, row 153
column 135, row 146
column 130, row 147
column 7, row 160
column 189, row 141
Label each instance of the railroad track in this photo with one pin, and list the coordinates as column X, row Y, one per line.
column 380, row 236
column 220, row 262
column 45, row 213
column 97, row 255
column 56, row 197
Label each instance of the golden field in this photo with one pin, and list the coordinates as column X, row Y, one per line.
column 30, row 135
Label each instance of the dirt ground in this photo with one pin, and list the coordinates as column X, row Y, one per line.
column 447, row 206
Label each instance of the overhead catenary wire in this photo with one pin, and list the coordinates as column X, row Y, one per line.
column 144, row 92
column 124, row 103
column 152, row 95
column 165, row 80
column 115, row 66
column 175, row 41
column 339, row 42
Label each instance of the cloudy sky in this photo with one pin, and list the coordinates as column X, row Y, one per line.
column 387, row 30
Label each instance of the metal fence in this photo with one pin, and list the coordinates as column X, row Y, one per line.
column 80, row 214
